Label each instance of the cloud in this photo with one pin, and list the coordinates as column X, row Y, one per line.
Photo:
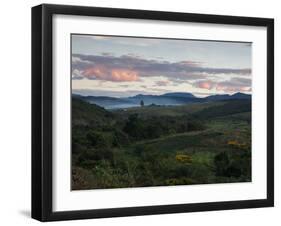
column 76, row 74
column 112, row 93
column 237, row 81
column 106, row 54
column 189, row 62
column 132, row 68
column 162, row 83
column 206, row 84
column 235, row 84
column 100, row 72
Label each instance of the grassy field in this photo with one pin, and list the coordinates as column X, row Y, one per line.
column 199, row 143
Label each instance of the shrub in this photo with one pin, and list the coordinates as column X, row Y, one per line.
column 97, row 139
column 233, row 164
column 221, row 162
column 184, row 158
column 120, row 138
column 88, row 157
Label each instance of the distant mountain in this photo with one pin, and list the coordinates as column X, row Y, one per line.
column 241, row 96
column 218, row 97
column 175, row 98
column 108, row 102
column 179, row 94
column 228, row 97
column 165, row 99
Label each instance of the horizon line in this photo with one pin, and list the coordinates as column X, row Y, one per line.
column 214, row 94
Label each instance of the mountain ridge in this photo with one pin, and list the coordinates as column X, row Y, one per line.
column 172, row 98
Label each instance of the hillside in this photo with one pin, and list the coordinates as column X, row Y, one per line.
column 84, row 113
column 196, row 143
column 226, row 108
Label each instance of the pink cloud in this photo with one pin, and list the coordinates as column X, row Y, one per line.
column 205, row 84
column 232, row 85
column 111, row 74
column 124, row 75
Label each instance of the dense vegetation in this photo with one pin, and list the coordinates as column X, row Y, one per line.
column 160, row 145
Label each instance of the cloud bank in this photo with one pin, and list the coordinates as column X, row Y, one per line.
column 132, row 68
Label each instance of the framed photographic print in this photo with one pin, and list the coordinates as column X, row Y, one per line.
column 145, row 112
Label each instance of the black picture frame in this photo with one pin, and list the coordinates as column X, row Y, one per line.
column 42, row 107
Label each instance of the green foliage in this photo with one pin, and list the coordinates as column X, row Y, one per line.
column 228, row 108
column 134, row 127
column 153, row 127
column 97, row 139
column 156, row 145
column 231, row 164
column 120, row 138
column 221, row 162
column 89, row 157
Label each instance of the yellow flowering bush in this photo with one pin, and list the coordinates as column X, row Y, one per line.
column 183, row 158
column 236, row 144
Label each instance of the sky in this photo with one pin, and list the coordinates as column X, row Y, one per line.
column 126, row 66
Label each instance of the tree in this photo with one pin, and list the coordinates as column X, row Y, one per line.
column 96, row 139
column 134, row 127
column 141, row 103
column 221, row 162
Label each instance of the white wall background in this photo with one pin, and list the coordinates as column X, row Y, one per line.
column 15, row 118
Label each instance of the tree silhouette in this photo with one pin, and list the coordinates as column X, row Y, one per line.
column 141, row 103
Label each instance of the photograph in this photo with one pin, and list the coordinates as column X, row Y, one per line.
column 145, row 112
column 152, row 111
